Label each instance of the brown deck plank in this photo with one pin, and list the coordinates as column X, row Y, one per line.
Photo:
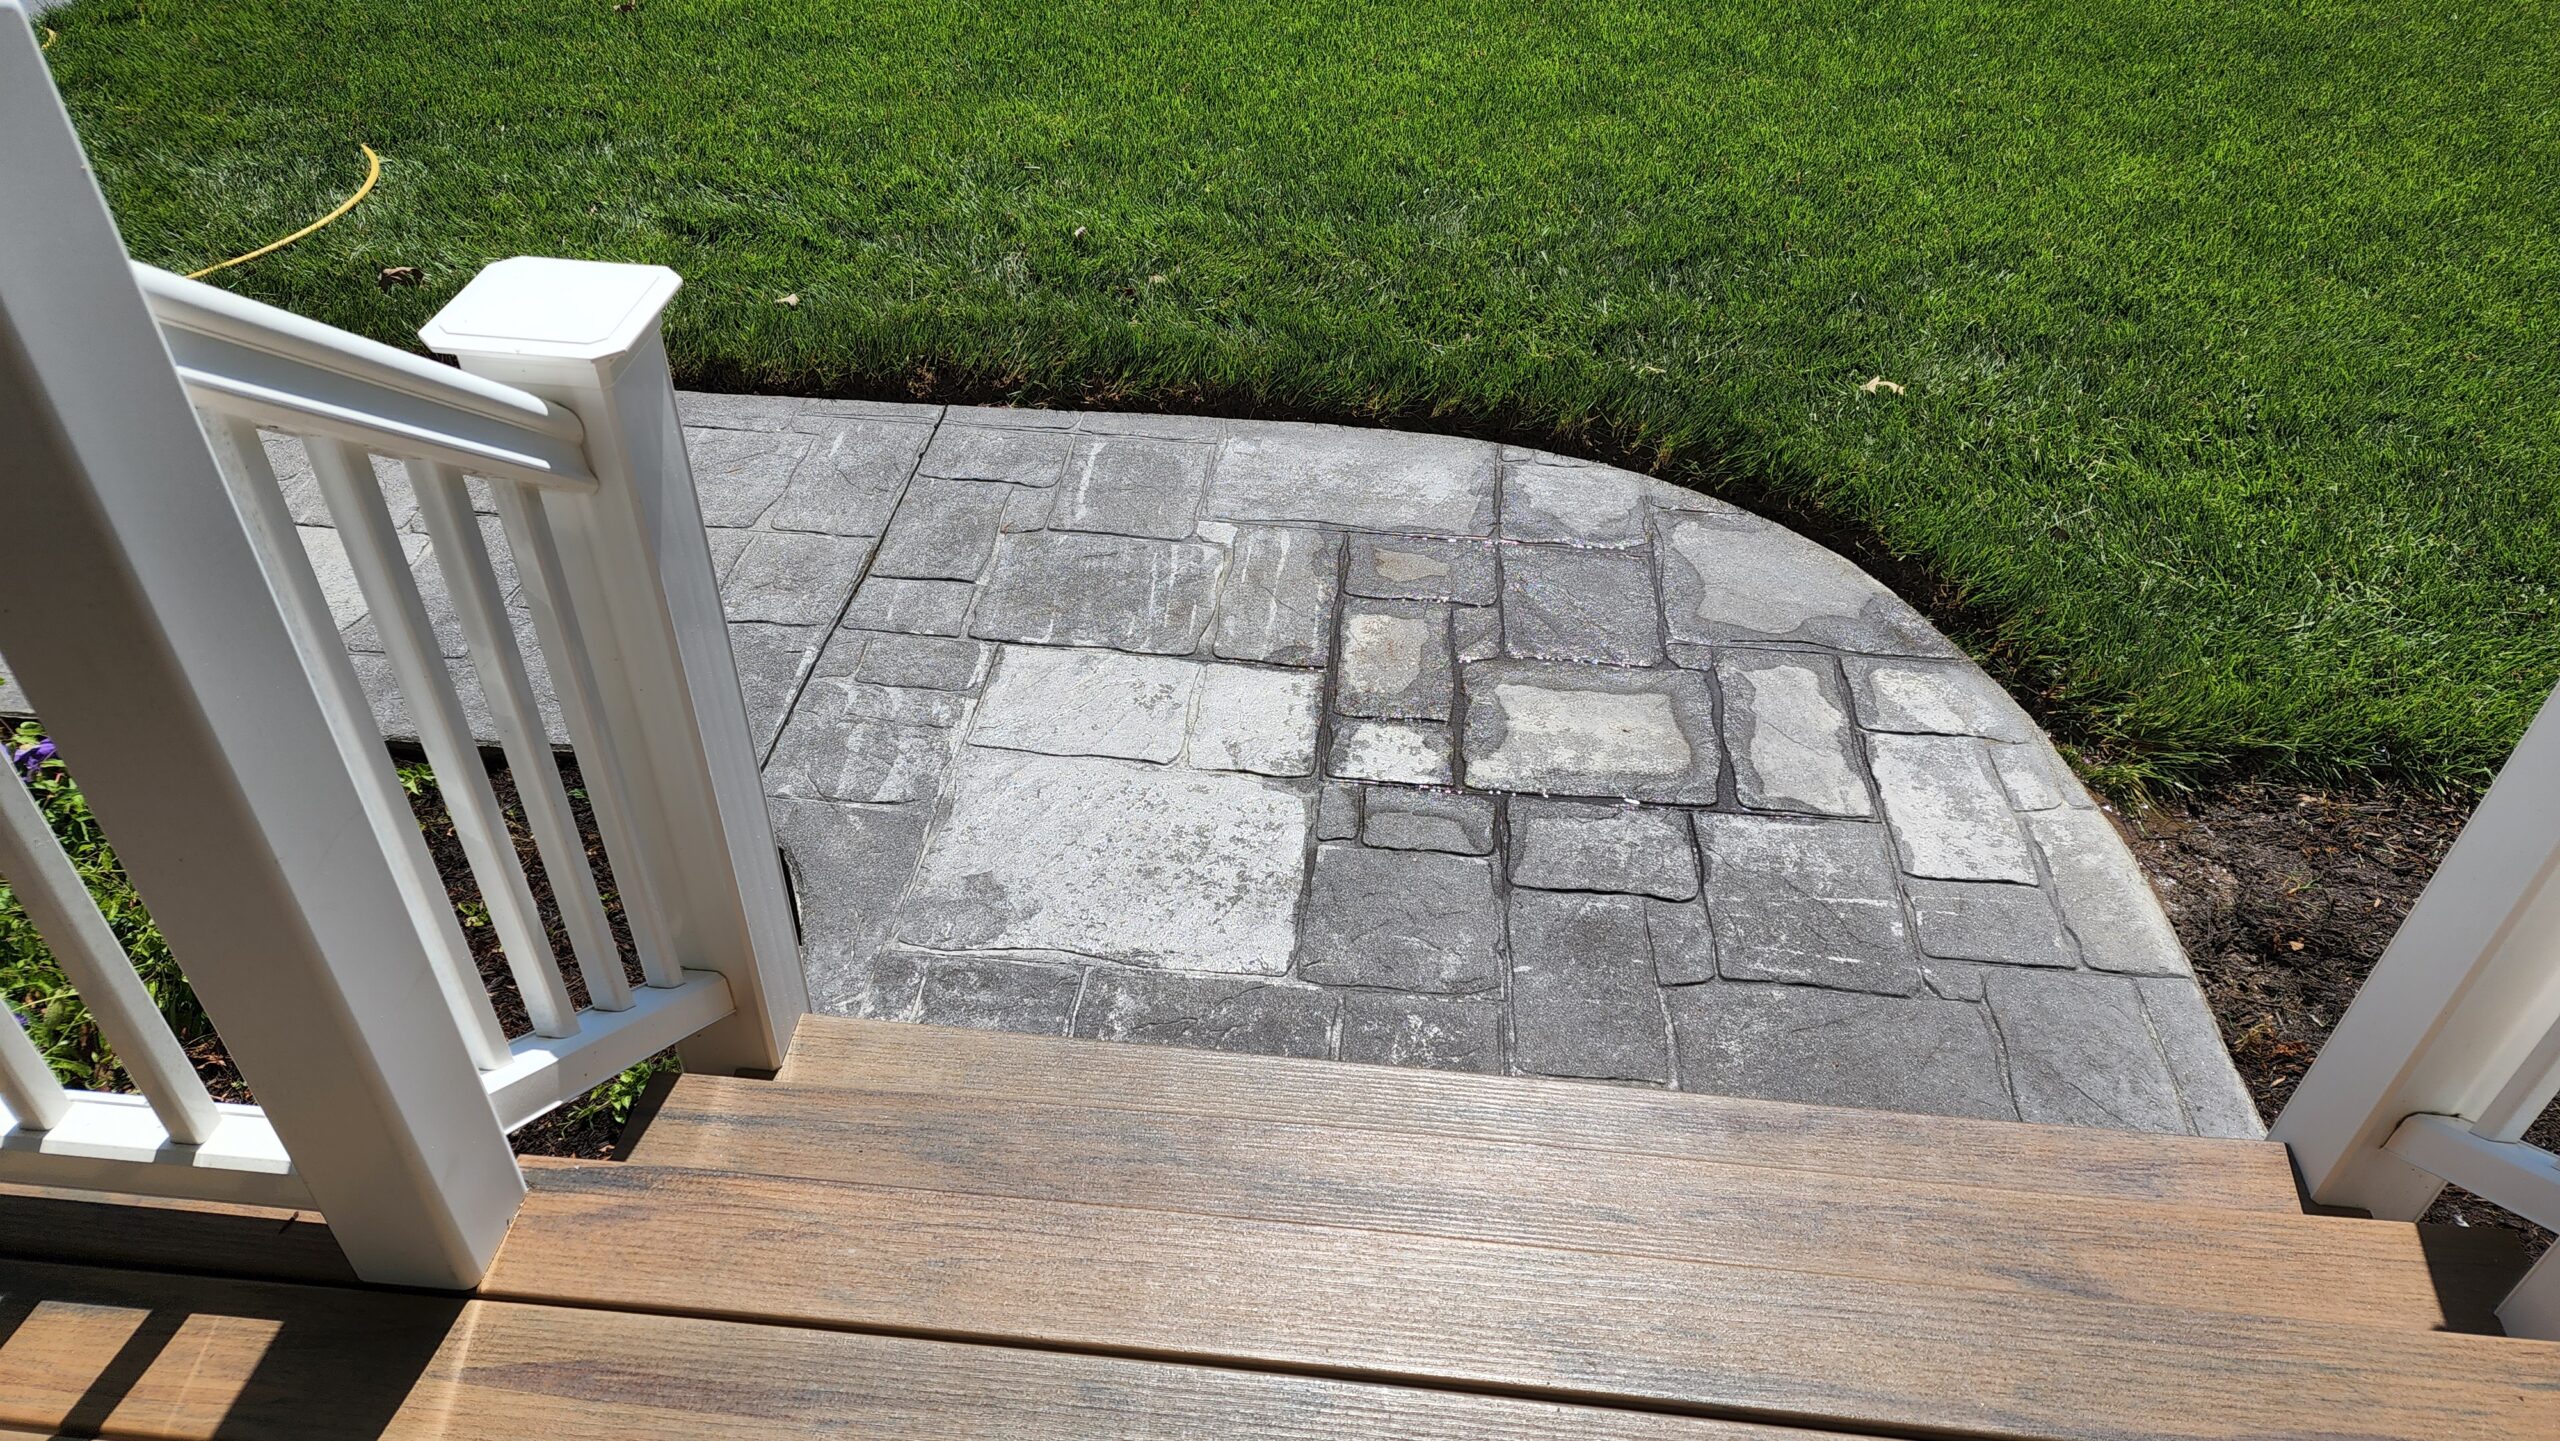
column 1738, row 1341
column 2245, row 1263
column 124, row 1354
column 897, row 1056
column 41, row 1223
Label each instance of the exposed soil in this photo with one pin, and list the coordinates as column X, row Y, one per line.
column 2285, row 899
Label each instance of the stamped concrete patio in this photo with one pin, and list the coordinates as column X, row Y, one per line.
column 1400, row 748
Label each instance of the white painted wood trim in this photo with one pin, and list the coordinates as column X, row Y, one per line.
column 115, row 1143
column 2532, row 1309
column 27, row 1084
column 546, row 1073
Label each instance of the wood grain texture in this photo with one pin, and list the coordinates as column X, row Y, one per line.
column 40, row 1223
column 1925, row 1233
column 131, row 1355
column 1736, row 1341
column 896, row 1056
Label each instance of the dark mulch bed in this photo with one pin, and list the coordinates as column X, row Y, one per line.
column 2285, row 899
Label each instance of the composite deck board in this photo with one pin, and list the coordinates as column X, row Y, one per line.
column 152, row 1233
column 2246, row 1263
column 896, row 1056
column 1743, row 1342
column 145, row 1357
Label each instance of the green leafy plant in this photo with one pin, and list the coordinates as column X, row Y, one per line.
column 612, row 1101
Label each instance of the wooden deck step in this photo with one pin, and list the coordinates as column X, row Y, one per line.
column 1675, row 1208
column 128, row 1354
column 2059, row 1160
column 1761, row 1343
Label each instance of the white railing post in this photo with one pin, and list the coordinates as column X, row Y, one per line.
column 2455, row 1019
column 133, row 606
column 671, row 723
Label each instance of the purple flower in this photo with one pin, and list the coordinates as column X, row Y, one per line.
column 32, row 759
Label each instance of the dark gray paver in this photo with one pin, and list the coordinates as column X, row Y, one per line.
column 1573, row 504
column 942, row 530
column 1426, row 820
column 1338, row 812
column 1127, row 593
column 1787, row 728
column 964, row 449
column 1588, row 846
column 849, row 478
column 1395, row 661
column 2217, row 1103
column 1404, row 920
column 2105, row 899
column 739, row 474
column 2081, row 1052
column 1414, row 568
column 918, row 607
column 1278, row 605
column 793, row 578
column 1728, row 576
column 1133, row 485
column 1979, row 921
column 1551, row 728
column 770, row 660
column 1359, row 479
column 1584, row 605
column 1476, row 632
column 1436, row 1033
column 925, row 662
column 1583, row 997
column 1271, row 1018
column 989, row 993
column 847, row 866
column 1805, row 901
column 1840, row 1048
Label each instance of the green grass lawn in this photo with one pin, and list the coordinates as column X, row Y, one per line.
column 2232, row 423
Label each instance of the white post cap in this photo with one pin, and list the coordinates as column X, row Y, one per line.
column 535, row 307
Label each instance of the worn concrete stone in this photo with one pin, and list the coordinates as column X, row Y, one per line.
column 1583, row 998
column 1951, row 819
column 1408, row 820
column 1954, row 980
column 1840, row 1048
column 1974, row 921
column 1207, row 1013
column 1398, row 752
column 899, row 705
column 1026, row 509
column 926, row 662
column 770, row 660
column 726, row 546
column 824, row 757
column 736, row 412
column 917, row 607
column 1402, row 568
column 847, row 865
column 1433, row 1033
column 2105, row 898
column 2035, row 777
column 942, row 530
column 1133, row 485
column 1477, row 632
column 885, row 985
column 1573, row 504
column 818, row 413
column 1938, row 699
column 794, row 578
column 1806, row 901
column 2081, row 1053
column 1395, row 661
column 1592, row 731
column 1788, row 726
column 1088, row 703
column 849, row 481
column 1337, row 812
column 1404, row 920
column 987, row 993
column 1062, row 588
column 1587, row 605
column 1013, row 454
column 1683, row 941
column 1581, row 846
column 1361, row 479
column 1278, row 606
column 1731, row 576
column 739, row 474
column 1263, row 721
column 1146, row 865
column 2218, row 1104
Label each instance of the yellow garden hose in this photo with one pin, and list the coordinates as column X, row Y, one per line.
column 373, row 172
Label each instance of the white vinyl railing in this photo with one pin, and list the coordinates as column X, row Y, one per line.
column 166, row 621
column 2452, row 1048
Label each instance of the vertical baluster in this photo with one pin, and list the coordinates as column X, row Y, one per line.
column 66, row 915
column 601, row 756
column 464, row 558
column 373, row 551
column 259, row 498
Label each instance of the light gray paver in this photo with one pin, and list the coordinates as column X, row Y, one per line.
column 850, row 477
column 2105, row 899
column 1840, row 1048
column 793, row 578
column 2080, row 1051
column 1338, row 812
column 924, row 662
column 1949, row 813
column 857, row 759
column 739, row 474
column 2034, row 777
column 1061, row 588
column 1087, row 703
column 1805, row 901
column 1133, row 485
column 1145, row 865
column 1585, row 846
column 1436, row 1033
column 1572, row 504
column 1952, row 699
column 1583, row 997
column 942, row 530
column 2217, row 1102
column 1263, row 721
column 1016, row 455
column 1278, row 606
column 1563, row 729
column 1731, row 576
column 737, row 412
column 1477, row 632
column 1979, row 921
column 1404, row 920
column 1363, row 480
column 1398, row 568
column 847, row 866
column 770, row 659
column 918, row 607
column 988, row 993
column 1412, row 820
column 1585, row 605
column 1787, row 725
column 1395, row 660
column 1208, row 1013
column 1399, row 752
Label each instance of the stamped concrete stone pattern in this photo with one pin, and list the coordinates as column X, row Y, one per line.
column 1412, row 750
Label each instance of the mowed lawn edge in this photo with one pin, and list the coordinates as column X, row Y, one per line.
column 2222, row 420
